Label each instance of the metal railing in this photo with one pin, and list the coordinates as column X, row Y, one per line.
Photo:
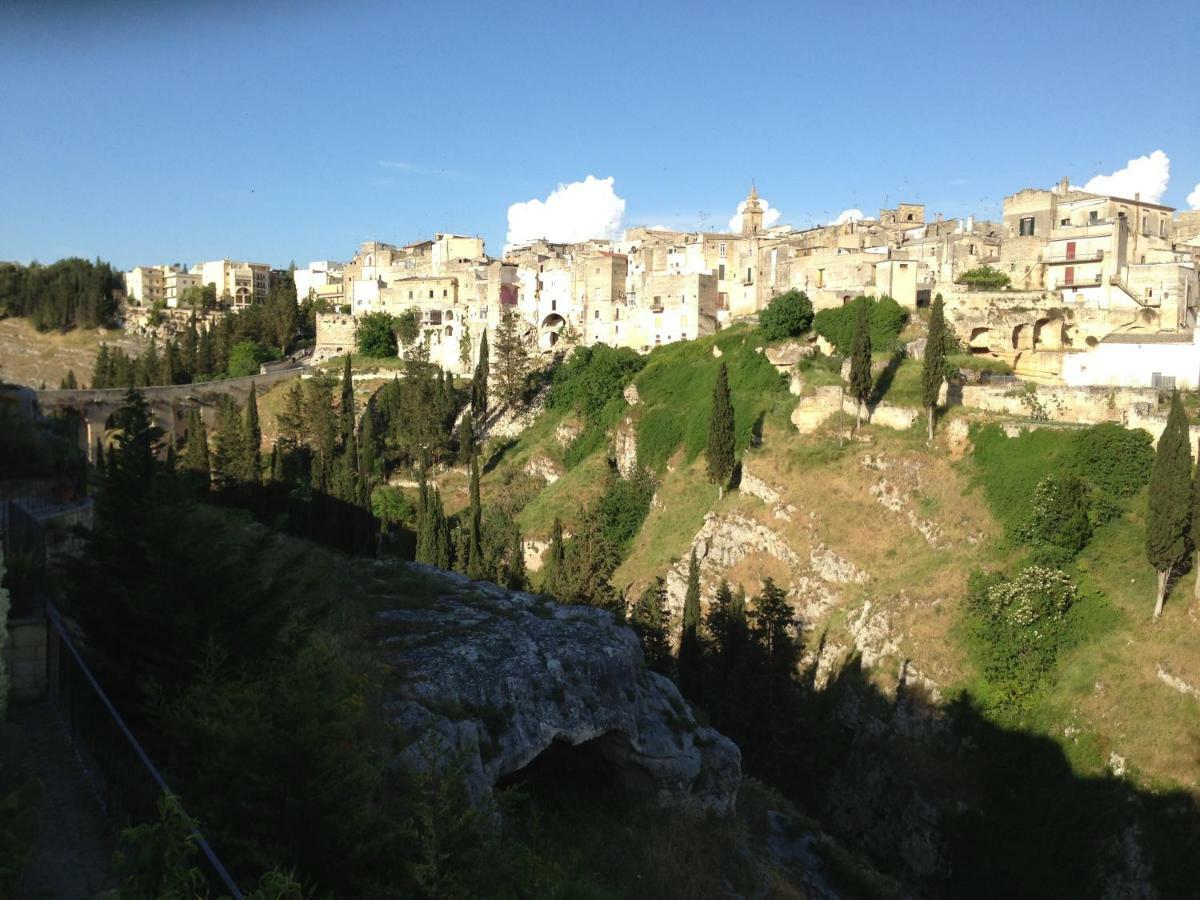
column 127, row 783
column 1077, row 256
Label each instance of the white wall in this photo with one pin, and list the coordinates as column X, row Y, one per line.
column 1133, row 365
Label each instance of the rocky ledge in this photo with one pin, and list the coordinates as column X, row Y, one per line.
column 501, row 681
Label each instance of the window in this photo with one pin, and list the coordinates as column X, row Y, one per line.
column 1162, row 228
column 748, row 276
column 721, row 271
column 1094, row 215
column 721, row 250
column 1064, row 221
column 553, row 306
column 909, row 217
column 431, row 293
column 597, row 315
column 1145, row 225
column 1026, row 226
column 445, row 293
column 449, row 331
column 617, row 315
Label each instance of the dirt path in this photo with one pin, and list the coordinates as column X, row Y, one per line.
column 72, row 859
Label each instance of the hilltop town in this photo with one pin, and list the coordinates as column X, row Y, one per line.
column 1070, row 287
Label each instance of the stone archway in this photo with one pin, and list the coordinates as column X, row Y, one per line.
column 550, row 331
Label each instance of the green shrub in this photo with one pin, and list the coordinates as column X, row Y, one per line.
column 984, row 277
column 787, row 315
column 1115, row 459
column 1059, row 515
column 1010, row 469
column 1019, row 627
column 624, row 507
column 591, row 378
column 374, row 335
column 887, row 321
column 245, row 357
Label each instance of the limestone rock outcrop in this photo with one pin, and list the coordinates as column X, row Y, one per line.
column 495, row 678
column 543, row 467
column 624, row 447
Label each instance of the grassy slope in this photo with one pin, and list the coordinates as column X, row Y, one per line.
column 29, row 356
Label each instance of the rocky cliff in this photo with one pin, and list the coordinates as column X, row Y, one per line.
column 503, row 682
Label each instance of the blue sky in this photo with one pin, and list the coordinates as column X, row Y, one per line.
column 158, row 132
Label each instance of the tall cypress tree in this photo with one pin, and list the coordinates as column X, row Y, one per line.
column 516, row 559
column 1169, row 516
column 368, row 449
column 229, row 453
column 195, row 454
column 933, row 372
column 690, row 651
column 479, row 384
column 475, row 567
column 860, row 359
column 102, row 370
column 252, row 440
column 552, row 571
column 719, row 452
column 346, row 407
column 466, row 437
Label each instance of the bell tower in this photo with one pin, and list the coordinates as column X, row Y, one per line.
column 752, row 215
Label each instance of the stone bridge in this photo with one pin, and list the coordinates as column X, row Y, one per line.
column 169, row 404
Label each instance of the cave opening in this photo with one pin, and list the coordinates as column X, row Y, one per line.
column 594, row 768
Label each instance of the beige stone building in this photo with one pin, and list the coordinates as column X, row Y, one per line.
column 238, row 284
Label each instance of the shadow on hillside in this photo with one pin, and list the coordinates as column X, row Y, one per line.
column 951, row 802
column 883, row 381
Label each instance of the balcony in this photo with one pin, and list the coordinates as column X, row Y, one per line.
column 1086, row 281
column 1077, row 256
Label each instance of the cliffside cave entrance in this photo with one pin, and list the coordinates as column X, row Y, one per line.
column 595, row 767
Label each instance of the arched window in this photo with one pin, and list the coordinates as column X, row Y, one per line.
column 449, row 316
column 449, row 331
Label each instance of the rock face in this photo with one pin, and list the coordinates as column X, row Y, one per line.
column 545, row 468
column 787, row 355
column 624, row 447
column 632, row 397
column 497, row 678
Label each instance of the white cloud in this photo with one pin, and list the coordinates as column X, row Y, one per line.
column 408, row 168
column 848, row 215
column 770, row 215
column 573, row 212
column 1146, row 175
column 1193, row 199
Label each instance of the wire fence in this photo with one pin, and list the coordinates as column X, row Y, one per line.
column 127, row 783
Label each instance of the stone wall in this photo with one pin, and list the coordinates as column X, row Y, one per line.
column 1059, row 403
column 335, row 336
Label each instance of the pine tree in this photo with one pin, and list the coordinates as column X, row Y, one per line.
column 251, row 467
column 690, row 651
column 512, row 359
column 860, row 360
column 719, row 453
column 1169, row 517
column 774, row 621
column 589, row 560
column 933, row 372
column 69, row 383
column 479, row 384
column 346, row 407
column 195, row 454
column 648, row 619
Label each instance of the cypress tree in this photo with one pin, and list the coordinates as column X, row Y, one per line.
column 102, row 370
column 1195, row 527
column 228, row 455
column 933, row 372
column 466, row 437
column 368, row 449
column 479, row 384
column 206, row 366
column 346, row 407
column 251, row 440
column 424, row 550
column 719, row 452
column 690, row 651
column 439, row 531
column 552, row 571
column 1169, row 516
column 195, row 454
column 516, row 559
column 69, row 383
column 860, row 359
column 475, row 567
column 278, row 463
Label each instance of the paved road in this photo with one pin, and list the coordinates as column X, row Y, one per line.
column 73, row 856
